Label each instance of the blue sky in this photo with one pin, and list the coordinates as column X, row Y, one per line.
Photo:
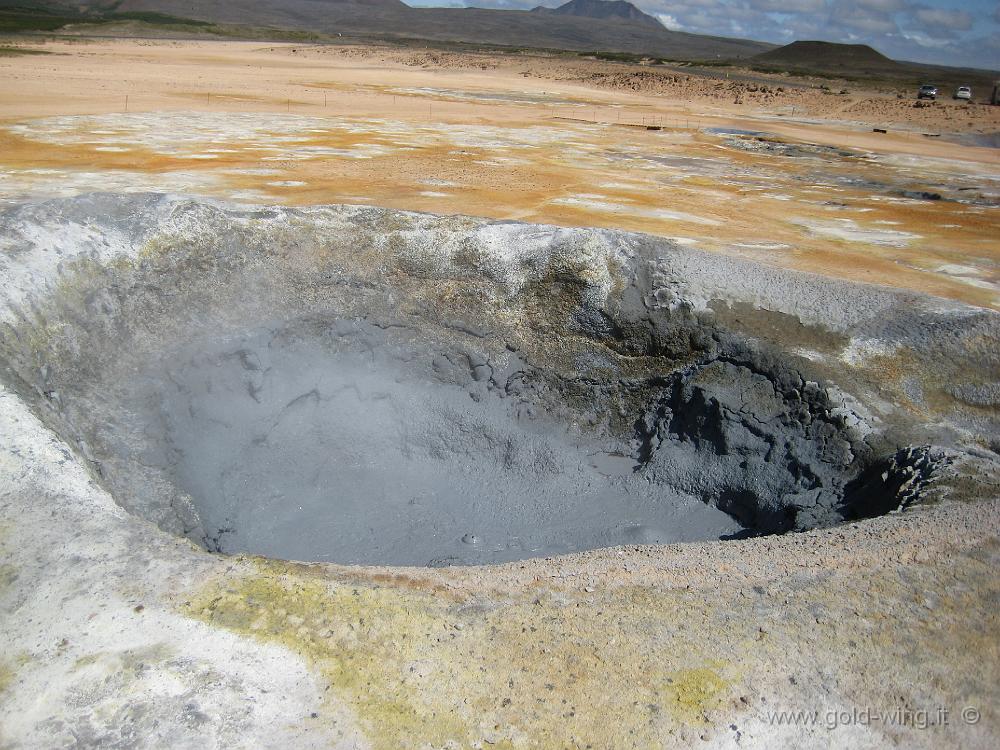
column 948, row 32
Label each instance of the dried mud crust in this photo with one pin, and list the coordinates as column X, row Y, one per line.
column 692, row 376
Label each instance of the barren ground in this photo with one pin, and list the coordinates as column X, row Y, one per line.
column 557, row 140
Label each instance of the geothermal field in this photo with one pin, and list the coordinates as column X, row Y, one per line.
column 380, row 396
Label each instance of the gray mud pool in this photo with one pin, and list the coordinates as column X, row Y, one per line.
column 327, row 442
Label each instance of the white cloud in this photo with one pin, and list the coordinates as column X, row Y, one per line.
column 789, row 6
column 881, row 6
column 853, row 15
column 926, row 41
column 670, row 22
column 956, row 20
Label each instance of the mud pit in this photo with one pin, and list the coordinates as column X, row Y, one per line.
column 321, row 440
column 367, row 386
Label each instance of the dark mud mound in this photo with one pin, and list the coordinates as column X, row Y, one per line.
column 773, row 453
column 369, row 386
column 762, row 144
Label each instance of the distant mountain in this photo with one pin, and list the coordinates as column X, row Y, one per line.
column 618, row 27
column 859, row 62
column 828, row 56
column 603, row 9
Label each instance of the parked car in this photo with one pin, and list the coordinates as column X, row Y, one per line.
column 927, row 92
column 963, row 92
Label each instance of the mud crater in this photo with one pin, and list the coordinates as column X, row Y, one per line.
column 342, row 440
column 255, row 402
column 346, row 441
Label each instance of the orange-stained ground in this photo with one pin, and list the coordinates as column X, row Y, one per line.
column 518, row 137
